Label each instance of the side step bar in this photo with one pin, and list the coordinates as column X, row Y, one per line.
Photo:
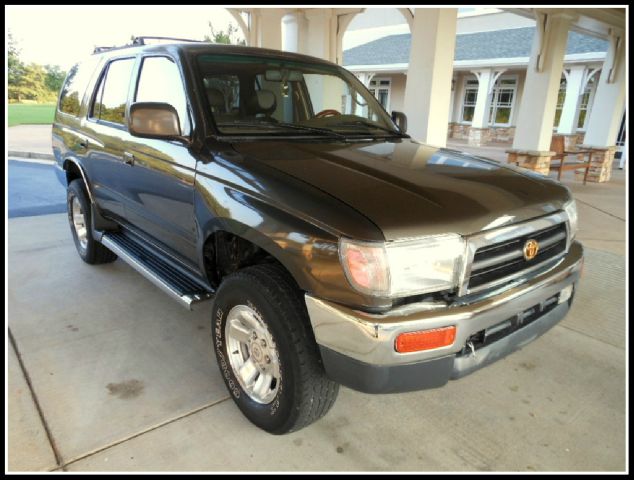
column 172, row 280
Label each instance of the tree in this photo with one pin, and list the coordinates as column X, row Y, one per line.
column 15, row 67
column 223, row 37
column 31, row 85
column 54, row 78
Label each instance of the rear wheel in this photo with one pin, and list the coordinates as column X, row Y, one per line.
column 79, row 218
column 266, row 351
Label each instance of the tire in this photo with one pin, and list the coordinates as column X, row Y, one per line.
column 79, row 210
column 266, row 294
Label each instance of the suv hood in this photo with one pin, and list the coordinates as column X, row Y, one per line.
column 408, row 189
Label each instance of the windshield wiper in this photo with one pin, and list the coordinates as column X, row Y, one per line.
column 321, row 131
column 368, row 124
column 326, row 131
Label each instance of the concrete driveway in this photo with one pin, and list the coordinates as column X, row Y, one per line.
column 107, row 373
column 34, row 139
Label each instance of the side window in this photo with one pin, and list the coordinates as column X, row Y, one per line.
column 160, row 81
column 112, row 94
column 74, row 87
column 95, row 109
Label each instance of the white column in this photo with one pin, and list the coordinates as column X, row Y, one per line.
column 539, row 99
column 343, row 18
column 268, row 22
column 486, row 80
column 452, row 99
column 609, row 100
column 253, row 26
column 321, row 33
column 294, row 32
column 574, row 90
column 458, row 96
column 428, row 86
column 478, row 133
column 290, row 33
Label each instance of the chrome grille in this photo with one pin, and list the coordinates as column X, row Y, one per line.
column 498, row 261
column 497, row 257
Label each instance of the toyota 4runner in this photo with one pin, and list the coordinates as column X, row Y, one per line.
column 332, row 247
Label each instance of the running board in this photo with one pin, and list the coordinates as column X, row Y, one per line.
column 172, row 280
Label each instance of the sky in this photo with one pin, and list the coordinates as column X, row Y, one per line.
column 62, row 35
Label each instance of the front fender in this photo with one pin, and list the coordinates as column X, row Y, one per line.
column 307, row 251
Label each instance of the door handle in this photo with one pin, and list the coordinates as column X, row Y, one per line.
column 83, row 144
column 128, row 158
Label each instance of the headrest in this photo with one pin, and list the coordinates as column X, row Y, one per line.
column 262, row 102
column 216, row 100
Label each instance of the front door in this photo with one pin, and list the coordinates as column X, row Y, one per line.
column 158, row 188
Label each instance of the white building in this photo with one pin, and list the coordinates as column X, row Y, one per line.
column 537, row 69
column 492, row 53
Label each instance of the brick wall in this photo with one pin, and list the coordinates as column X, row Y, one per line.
column 493, row 134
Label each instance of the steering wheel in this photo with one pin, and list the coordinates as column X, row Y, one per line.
column 329, row 112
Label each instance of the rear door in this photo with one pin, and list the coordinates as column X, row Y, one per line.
column 158, row 188
column 107, row 132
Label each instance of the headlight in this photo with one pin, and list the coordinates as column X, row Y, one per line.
column 402, row 268
column 571, row 210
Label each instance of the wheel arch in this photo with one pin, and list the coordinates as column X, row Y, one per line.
column 264, row 249
column 73, row 170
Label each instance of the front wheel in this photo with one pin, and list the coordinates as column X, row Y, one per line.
column 266, row 352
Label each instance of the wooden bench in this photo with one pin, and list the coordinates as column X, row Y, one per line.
column 558, row 146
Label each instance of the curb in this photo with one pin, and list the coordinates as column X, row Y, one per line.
column 41, row 156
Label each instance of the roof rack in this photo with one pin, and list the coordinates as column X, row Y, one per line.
column 141, row 40
column 102, row 49
column 136, row 41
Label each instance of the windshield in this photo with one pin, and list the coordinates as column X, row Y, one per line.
column 254, row 95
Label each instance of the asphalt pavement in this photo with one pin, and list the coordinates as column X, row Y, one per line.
column 33, row 189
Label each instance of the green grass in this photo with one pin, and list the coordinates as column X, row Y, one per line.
column 31, row 114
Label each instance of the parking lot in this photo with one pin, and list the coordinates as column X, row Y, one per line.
column 125, row 378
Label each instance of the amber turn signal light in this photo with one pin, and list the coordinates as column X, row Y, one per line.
column 425, row 339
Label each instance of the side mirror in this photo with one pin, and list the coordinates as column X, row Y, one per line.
column 154, row 120
column 401, row 121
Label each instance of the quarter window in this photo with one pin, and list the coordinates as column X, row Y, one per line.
column 72, row 93
column 112, row 95
column 160, row 81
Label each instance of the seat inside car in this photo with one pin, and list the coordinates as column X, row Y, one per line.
column 216, row 101
column 262, row 104
column 219, row 107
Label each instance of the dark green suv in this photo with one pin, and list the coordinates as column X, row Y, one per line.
column 333, row 248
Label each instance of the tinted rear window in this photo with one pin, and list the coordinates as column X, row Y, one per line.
column 112, row 96
column 77, row 80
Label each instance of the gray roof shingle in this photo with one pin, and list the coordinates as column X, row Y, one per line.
column 509, row 43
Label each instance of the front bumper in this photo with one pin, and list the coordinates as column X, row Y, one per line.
column 358, row 348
